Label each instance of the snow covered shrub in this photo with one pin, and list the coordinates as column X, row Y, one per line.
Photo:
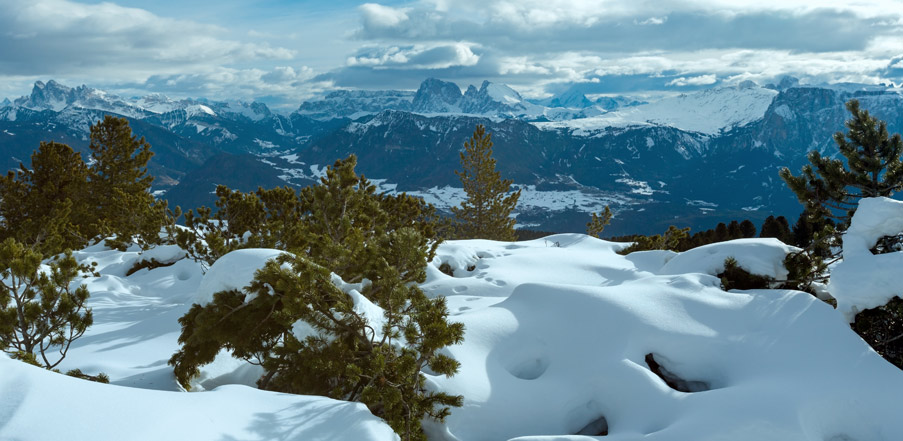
column 882, row 329
column 366, row 340
column 670, row 240
column 735, row 277
column 40, row 314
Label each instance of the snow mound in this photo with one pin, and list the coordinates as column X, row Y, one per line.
column 39, row 405
column 764, row 257
column 565, row 338
column 233, row 271
column 864, row 280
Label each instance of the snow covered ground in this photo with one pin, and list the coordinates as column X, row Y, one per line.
column 565, row 340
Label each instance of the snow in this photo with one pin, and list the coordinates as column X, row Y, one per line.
column 758, row 256
column 233, row 271
column 199, row 109
column 38, row 405
column 558, row 334
column 709, row 112
column 863, row 280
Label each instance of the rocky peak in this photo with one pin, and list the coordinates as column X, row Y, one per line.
column 437, row 96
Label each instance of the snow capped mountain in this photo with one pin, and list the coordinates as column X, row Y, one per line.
column 57, row 97
column 709, row 112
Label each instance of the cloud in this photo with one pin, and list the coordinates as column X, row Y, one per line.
column 542, row 44
column 441, row 56
column 702, row 80
column 378, row 16
column 108, row 41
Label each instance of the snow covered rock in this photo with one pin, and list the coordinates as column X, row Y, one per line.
column 863, row 280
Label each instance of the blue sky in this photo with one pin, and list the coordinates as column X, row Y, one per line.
column 283, row 52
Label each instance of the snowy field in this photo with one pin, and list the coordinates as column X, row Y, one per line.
column 565, row 340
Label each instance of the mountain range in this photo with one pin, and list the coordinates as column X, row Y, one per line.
column 691, row 160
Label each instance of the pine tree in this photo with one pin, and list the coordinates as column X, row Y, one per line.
column 598, row 222
column 120, row 185
column 485, row 213
column 40, row 314
column 831, row 188
column 42, row 206
column 748, row 229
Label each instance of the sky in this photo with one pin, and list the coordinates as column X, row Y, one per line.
column 283, row 52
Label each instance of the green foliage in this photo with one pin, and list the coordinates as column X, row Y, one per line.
column 62, row 203
column 485, row 212
column 831, row 188
column 340, row 226
column 119, row 186
column 42, row 207
column 332, row 222
column 598, row 222
column 882, row 329
column 40, row 314
column 669, row 240
column 778, row 228
column 735, row 277
column 99, row 378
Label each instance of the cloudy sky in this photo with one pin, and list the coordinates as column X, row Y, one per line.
column 285, row 51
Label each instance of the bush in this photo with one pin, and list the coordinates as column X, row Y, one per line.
column 40, row 315
column 735, row 277
column 882, row 329
column 383, row 244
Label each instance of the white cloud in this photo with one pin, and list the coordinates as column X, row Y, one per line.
column 379, row 16
column 652, row 21
column 702, row 80
column 438, row 56
column 113, row 42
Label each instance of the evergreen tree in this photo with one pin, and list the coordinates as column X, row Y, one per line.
column 42, row 207
column 119, row 185
column 748, row 229
column 721, row 233
column 598, row 222
column 778, row 228
column 734, row 231
column 831, row 188
column 40, row 314
column 485, row 213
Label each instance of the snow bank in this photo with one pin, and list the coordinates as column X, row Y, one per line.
column 564, row 339
column 864, row 280
column 764, row 257
column 38, row 405
column 235, row 270
column 563, row 352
